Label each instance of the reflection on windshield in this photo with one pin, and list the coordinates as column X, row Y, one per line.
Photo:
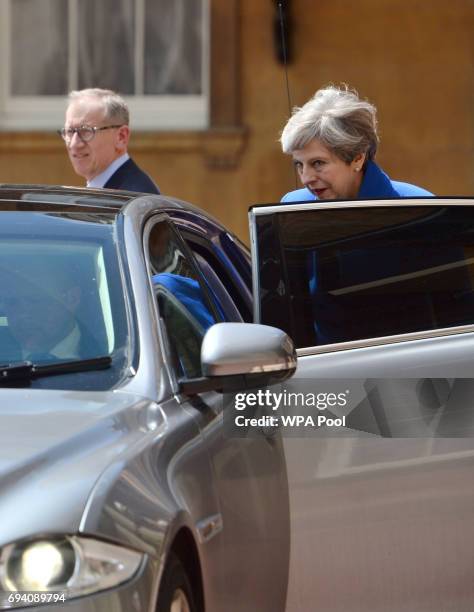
column 58, row 299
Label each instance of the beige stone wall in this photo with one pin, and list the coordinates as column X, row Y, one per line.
column 414, row 60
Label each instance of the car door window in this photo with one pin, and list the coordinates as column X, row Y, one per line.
column 182, row 298
column 224, row 303
column 227, row 285
column 335, row 275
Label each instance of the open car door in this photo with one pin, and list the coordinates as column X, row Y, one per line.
column 377, row 295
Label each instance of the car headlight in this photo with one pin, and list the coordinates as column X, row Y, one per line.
column 72, row 565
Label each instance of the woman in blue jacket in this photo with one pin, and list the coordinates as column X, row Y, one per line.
column 333, row 140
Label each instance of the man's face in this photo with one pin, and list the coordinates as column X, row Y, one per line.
column 91, row 158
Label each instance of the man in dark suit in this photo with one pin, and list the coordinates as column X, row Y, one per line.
column 96, row 133
column 46, row 320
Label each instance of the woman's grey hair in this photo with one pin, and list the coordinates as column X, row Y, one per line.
column 114, row 105
column 339, row 119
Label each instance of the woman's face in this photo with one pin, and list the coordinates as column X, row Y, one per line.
column 325, row 174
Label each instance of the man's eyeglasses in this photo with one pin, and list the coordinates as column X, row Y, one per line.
column 85, row 132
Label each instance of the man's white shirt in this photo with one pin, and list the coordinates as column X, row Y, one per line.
column 67, row 348
column 100, row 180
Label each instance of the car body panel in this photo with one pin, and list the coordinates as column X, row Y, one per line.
column 62, row 445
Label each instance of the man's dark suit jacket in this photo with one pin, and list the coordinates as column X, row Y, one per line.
column 89, row 346
column 131, row 178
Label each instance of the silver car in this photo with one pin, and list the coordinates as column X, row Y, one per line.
column 124, row 322
column 123, row 318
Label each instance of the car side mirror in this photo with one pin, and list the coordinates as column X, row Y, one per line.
column 236, row 356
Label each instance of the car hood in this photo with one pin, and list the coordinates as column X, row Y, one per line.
column 54, row 445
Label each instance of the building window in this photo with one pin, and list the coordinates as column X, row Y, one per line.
column 154, row 52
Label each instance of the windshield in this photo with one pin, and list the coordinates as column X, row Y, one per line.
column 61, row 295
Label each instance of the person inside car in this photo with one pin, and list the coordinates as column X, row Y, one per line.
column 41, row 311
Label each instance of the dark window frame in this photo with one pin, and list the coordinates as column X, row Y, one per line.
column 211, row 253
column 151, row 224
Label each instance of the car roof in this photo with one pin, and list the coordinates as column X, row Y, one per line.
column 104, row 202
column 28, row 197
column 60, row 197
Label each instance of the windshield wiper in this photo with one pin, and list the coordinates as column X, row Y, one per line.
column 26, row 370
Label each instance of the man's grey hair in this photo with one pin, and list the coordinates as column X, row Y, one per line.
column 337, row 117
column 114, row 105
